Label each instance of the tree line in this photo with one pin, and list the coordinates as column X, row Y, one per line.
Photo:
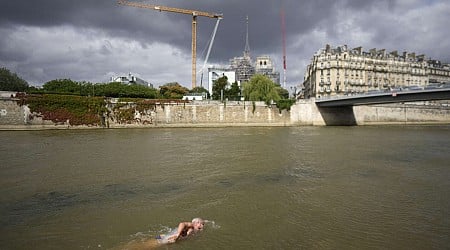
column 259, row 88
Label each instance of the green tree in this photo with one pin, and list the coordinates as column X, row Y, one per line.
column 260, row 88
column 62, row 86
column 173, row 90
column 219, row 85
column 11, row 81
column 283, row 93
column 233, row 93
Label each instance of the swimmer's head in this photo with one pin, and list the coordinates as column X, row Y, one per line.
column 198, row 223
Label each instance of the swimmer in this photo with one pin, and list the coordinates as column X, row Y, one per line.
column 183, row 230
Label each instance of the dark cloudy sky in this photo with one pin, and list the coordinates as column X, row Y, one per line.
column 91, row 40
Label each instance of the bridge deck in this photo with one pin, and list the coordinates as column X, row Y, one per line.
column 386, row 97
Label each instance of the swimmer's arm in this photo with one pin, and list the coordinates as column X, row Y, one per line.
column 181, row 227
column 190, row 231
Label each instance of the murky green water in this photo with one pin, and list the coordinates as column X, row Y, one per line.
column 264, row 188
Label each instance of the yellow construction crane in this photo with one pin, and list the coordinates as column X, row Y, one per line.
column 193, row 13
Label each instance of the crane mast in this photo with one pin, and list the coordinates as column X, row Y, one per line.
column 193, row 13
column 283, row 33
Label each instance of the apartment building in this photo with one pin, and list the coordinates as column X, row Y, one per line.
column 343, row 71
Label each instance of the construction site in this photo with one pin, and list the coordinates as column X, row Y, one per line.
column 240, row 69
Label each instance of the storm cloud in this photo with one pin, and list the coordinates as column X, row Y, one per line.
column 87, row 40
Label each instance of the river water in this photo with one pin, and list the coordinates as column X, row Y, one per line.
column 260, row 188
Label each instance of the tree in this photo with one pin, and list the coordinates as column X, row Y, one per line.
column 117, row 89
column 233, row 93
column 173, row 90
column 260, row 88
column 219, row 85
column 283, row 93
column 62, row 86
column 11, row 82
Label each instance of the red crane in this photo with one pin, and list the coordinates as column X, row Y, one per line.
column 283, row 31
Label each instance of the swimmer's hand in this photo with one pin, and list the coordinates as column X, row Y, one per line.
column 172, row 239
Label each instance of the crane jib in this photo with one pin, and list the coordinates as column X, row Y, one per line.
column 171, row 9
column 193, row 13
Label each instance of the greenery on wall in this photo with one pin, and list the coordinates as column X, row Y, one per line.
column 78, row 110
column 285, row 104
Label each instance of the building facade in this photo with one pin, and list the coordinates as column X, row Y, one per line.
column 265, row 66
column 216, row 72
column 243, row 67
column 131, row 79
column 343, row 71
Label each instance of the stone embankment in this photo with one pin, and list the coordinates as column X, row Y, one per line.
column 14, row 116
column 305, row 112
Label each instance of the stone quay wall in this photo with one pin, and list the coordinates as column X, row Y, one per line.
column 11, row 113
column 217, row 114
column 202, row 113
column 305, row 112
column 192, row 114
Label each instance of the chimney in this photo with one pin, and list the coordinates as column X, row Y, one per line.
column 394, row 53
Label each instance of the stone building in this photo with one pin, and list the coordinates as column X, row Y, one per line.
column 264, row 66
column 343, row 71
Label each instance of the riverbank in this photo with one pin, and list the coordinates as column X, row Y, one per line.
column 15, row 115
column 138, row 126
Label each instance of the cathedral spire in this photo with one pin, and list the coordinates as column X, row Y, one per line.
column 247, row 46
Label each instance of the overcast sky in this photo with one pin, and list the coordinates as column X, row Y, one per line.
column 92, row 40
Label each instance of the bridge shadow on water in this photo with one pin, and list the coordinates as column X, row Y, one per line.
column 338, row 116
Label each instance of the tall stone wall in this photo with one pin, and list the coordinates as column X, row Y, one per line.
column 204, row 114
column 305, row 112
column 11, row 113
column 213, row 114
column 412, row 113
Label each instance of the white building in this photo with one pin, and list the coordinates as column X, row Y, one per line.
column 215, row 73
column 194, row 97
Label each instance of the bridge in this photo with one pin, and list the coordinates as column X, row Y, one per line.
column 393, row 96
